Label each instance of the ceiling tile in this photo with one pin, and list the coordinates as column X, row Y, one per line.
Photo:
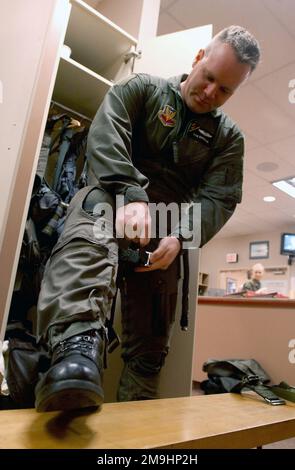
column 253, row 202
column 284, row 10
column 262, row 154
column 274, row 39
column 168, row 24
column 290, row 213
column 258, row 116
column 252, row 181
column 276, row 88
column 283, row 201
column 250, row 143
column 166, row 4
column 259, row 155
column 240, row 213
column 285, row 149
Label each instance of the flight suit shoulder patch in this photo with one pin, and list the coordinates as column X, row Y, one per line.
column 167, row 116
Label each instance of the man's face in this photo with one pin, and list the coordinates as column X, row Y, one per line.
column 258, row 273
column 213, row 79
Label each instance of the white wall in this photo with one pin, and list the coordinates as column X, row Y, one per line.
column 213, row 254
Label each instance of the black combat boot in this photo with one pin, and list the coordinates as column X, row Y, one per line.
column 74, row 378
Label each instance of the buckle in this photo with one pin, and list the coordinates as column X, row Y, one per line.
column 275, row 401
column 251, row 379
column 147, row 263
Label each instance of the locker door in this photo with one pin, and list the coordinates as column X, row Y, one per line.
column 31, row 35
column 172, row 54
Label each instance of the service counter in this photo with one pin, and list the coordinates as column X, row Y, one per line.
column 242, row 328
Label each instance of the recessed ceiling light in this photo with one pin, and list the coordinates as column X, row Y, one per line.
column 287, row 185
column 269, row 198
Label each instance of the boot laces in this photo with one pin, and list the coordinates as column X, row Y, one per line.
column 85, row 342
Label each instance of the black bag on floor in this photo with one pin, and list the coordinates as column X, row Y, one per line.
column 26, row 360
column 236, row 375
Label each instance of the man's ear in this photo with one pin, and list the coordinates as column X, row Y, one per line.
column 199, row 56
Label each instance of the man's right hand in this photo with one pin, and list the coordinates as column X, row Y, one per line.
column 133, row 222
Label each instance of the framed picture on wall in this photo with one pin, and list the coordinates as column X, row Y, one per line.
column 259, row 250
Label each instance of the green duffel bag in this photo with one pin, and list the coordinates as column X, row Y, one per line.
column 237, row 375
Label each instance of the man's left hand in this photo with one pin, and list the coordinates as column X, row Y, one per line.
column 163, row 256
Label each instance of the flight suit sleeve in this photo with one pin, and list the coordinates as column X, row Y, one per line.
column 109, row 146
column 219, row 192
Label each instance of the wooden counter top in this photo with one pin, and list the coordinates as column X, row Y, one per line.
column 248, row 301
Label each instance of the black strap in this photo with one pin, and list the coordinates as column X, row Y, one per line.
column 267, row 394
column 284, row 390
column 113, row 338
column 185, row 292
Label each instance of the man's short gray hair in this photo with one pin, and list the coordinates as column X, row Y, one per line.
column 244, row 44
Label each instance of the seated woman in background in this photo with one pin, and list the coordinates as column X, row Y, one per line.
column 254, row 284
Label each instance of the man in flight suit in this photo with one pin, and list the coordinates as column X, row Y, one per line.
column 152, row 140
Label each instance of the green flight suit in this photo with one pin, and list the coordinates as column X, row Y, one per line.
column 145, row 145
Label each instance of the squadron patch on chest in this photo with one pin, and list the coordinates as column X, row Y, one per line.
column 195, row 131
column 167, row 116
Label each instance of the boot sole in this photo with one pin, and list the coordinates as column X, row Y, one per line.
column 68, row 395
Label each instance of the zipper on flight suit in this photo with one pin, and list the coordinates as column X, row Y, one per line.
column 179, row 132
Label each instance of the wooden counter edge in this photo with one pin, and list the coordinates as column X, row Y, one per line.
column 246, row 302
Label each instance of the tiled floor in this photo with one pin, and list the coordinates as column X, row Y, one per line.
column 287, row 444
